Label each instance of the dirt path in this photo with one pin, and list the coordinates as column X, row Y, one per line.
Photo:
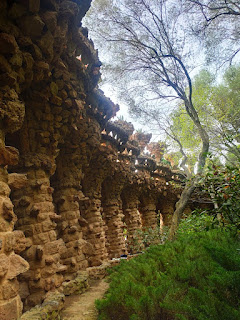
column 81, row 307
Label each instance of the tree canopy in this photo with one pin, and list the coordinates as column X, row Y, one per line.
column 218, row 106
column 215, row 24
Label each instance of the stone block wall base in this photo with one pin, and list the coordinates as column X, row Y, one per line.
column 77, row 286
column 54, row 302
column 49, row 309
column 100, row 272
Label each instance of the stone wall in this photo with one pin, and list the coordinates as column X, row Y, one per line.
column 71, row 181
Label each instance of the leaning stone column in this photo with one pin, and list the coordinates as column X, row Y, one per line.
column 37, row 219
column 67, row 196
column 167, row 207
column 11, row 243
column 113, row 214
column 12, row 112
column 94, row 233
column 132, row 218
column 148, row 209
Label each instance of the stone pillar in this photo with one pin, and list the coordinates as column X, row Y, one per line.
column 167, row 207
column 100, row 166
column 37, row 219
column 94, row 231
column 148, row 209
column 67, row 195
column 132, row 218
column 113, row 214
column 11, row 242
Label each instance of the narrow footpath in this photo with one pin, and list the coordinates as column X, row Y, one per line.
column 82, row 307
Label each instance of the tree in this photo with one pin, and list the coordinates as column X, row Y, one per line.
column 218, row 106
column 152, row 61
column 216, row 24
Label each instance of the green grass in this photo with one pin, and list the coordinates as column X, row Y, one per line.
column 195, row 277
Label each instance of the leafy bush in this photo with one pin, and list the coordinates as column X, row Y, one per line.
column 143, row 238
column 223, row 186
column 195, row 277
column 198, row 220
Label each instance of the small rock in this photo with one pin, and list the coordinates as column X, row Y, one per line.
column 54, row 88
column 4, row 65
column 17, row 181
column 8, row 44
column 8, row 155
column 20, row 241
column 4, row 263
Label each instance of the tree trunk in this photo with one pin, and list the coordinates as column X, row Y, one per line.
column 180, row 207
column 190, row 185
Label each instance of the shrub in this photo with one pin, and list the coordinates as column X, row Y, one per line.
column 143, row 238
column 223, row 186
column 195, row 277
column 199, row 220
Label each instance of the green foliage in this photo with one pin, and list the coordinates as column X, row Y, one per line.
column 51, row 315
column 218, row 107
column 166, row 162
column 194, row 277
column 199, row 220
column 223, row 186
column 142, row 239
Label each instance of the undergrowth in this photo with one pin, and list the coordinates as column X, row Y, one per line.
column 195, row 277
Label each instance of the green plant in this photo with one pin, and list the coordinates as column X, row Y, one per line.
column 199, row 220
column 223, row 186
column 51, row 315
column 144, row 238
column 196, row 277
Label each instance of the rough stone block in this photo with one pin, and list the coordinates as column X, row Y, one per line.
column 23, row 290
column 4, row 263
column 4, row 189
column 17, row 181
column 98, row 272
column 49, row 309
column 4, row 65
column 32, row 26
column 10, row 289
column 78, row 285
column 8, row 44
column 50, row 19
column 52, row 247
column 34, row 6
column 40, row 238
column 17, row 265
column 9, row 242
column 11, row 309
column 8, row 155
